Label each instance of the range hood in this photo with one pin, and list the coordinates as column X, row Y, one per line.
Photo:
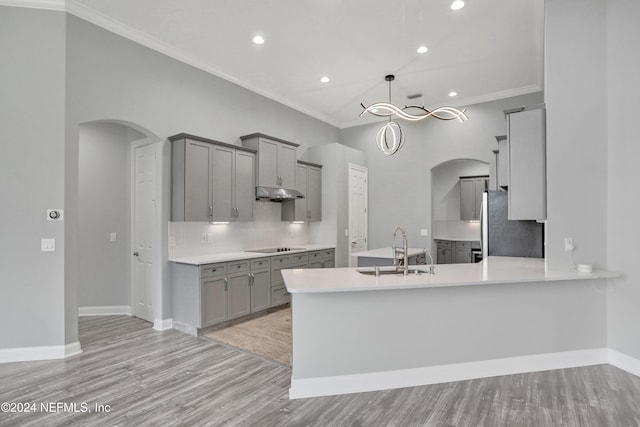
column 277, row 194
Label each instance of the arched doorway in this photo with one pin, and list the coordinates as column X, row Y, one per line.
column 446, row 220
column 119, row 192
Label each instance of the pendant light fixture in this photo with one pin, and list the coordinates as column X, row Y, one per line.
column 390, row 137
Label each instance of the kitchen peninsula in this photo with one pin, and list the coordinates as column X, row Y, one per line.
column 354, row 332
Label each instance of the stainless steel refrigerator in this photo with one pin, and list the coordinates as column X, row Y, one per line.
column 504, row 237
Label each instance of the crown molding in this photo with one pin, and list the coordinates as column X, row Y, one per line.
column 83, row 12
column 36, row 4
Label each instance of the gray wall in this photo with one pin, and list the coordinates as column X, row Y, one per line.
column 576, row 100
column 399, row 185
column 623, row 91
column 124, row 81
column 104, row 207
column 335, row 159
column 32, row 172
column 445, row 186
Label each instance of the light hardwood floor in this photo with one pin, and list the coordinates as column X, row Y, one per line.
column 152, row 378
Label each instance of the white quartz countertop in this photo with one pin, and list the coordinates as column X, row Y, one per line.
column 236, row 256
column 492, row 270
column 386, row 252
column 457, row 239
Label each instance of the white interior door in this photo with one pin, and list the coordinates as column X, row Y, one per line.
column 144, row 223
column 358, row 210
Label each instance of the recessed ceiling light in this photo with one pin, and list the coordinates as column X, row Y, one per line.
column 258, row 39
column 453, row 93
column 457, row 5
column 422, row 49
column 325, row 79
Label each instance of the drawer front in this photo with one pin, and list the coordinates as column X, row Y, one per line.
column 315, row 255
column 279, row 296
column 260, row 263
column 327, row 254
column 299, row 259
column 210, row 270
column 443, row 243
column 280, row 261
column 236, row 267
column 463, row 245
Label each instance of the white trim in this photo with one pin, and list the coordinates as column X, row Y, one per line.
column 106, row 310
column 358, row 383
column 624, row 362
column 184, row 328
column 162, row 324
column 26, row 354
column 36, row 4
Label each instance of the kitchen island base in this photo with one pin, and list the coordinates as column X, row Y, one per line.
column 356, row 341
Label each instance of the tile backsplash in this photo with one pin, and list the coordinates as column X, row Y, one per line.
column 456, row 230
column 188, row 239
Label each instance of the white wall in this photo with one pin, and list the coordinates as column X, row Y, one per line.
column 32, row 172
column 623, row 200
column 400, row 185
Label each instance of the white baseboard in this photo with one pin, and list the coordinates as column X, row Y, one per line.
column 162, row 324
column 358, row 383
column 624, row 362
column 106, row 310
column 183, row 327
column 26, row 354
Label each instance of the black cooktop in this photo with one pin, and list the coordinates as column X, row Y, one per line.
column 275, row 250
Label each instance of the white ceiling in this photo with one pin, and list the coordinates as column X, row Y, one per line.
column 490, row 49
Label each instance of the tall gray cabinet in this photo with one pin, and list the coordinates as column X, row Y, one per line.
column 211, row 180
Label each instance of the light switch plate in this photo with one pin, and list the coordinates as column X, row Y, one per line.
column 424, row 232
column 113, row 237
column 48, row 245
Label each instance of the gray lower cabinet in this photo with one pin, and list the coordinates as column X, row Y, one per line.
column 444, row 251
column 322, row 259
column 210, row 294
column 238, row 292
column 279, row 294
column 213, row 305
column 462, row 252
column 260, row 284
column 455, row 252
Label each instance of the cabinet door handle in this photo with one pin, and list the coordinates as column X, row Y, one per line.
column 211, row 212
column 226, row 284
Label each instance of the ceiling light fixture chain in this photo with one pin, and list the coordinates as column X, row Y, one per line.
column 390, row 137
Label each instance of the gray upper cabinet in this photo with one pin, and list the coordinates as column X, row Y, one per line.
column 211, row 180
column 471, row 189
column 502, row 162
column 309, row 183
column 276, row 164
column 527, row 165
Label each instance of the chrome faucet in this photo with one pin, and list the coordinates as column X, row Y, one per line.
column 404, row 251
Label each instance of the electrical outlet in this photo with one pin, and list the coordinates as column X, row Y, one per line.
column 113, row 237
column 568, row 244
column 424, row 232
